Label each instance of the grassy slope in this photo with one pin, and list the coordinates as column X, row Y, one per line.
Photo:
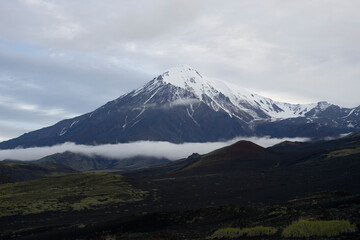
column 82, row 162
column 23, row 171
column 306, row 228
column 76, row 161
column 63, row 193
column 138, row 162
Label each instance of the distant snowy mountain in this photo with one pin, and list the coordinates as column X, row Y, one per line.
column 181, row 105
column 223, row 96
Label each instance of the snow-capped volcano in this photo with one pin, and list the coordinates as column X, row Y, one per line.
column 183, row 105
column 227, row 97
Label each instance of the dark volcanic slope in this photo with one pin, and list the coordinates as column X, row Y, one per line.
column 240, row 156
column 246, row 172
column 129, row 119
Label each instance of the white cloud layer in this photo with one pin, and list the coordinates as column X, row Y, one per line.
column 158, row 149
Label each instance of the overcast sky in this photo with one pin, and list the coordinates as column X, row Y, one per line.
column 63, row 58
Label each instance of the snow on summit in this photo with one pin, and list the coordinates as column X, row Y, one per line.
column 189, row 79
column 184, row 77
column 184, row 85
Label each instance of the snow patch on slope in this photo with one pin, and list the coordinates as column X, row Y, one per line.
column 349, row 113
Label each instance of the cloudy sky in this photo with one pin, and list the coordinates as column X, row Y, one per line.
column 63, row 58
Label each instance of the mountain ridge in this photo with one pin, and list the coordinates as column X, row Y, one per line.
column 82, row 162
column 181, row 105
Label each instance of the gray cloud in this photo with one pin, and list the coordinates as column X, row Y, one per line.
column 145, row 148
column 9, row 129
column 70, row 57
column 41, row 92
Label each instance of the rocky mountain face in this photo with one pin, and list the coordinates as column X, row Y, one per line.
column 181, row 105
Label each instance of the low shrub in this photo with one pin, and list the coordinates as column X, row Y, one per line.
column 306, row 228
column 244, row 232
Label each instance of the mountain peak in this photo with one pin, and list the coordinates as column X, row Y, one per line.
column 223, row 96
column 182, row 68
column 323, row 105
column 246, row 146
column 184, row 77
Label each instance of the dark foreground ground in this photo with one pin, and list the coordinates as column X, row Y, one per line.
column 240, row 186
column 115, row 223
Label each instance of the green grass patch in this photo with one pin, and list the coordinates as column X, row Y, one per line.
column 343, row 152
column 278, row 212
column 306, row 228
column 81, row 225
column 243, row 232
column 68, row 192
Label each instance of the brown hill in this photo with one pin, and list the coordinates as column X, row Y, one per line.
column 240, row 156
